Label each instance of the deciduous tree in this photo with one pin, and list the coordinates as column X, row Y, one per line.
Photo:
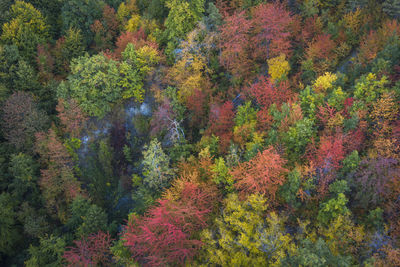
column 264, row 174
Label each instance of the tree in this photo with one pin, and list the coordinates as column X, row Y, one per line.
column 49, row 252
column 66, row 48
column 26, row 30
column 9, row 232
column 93, row 83
column 264, row 174
column 71, row 116
column 156, row 170
column 22, row 120
column 164, row 236
column 297, row 138
column 58, row 183
column 93, row 250
column 182, row 17
column 235, row 46
column 23, row 187
column 190, row 71
column 267, row 93
column 221, row 123
column 242, row 236
column 316, row 254
column 271, row 31
column 278, row 68
column 86, row 218
column 372, row 182
column 80, row 15
column 105, row 29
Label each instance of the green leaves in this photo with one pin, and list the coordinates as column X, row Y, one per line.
column 26, row 30
column 156, row 170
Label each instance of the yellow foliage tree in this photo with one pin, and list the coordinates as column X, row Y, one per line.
column 324, row 82
column 278, row 68
column 245, row 237
column 190, row 72
column 26, row 29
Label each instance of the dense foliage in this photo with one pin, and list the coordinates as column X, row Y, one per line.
column 199, row 133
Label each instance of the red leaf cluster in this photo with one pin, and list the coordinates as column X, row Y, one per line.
column 91, row 251
column 264, row 174
column 163, row 236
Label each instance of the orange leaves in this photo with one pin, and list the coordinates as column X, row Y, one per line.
column 71, row 116
column 234, row 43
column 271, row 23
column 376, row 40
column 263, row 174
column 244, row 40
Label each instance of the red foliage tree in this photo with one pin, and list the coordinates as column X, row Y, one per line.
column 267, row 92
column 321, row 48
column 71, row 116
column 138, row 38
column 271, row 36
column 221, row 123
column 197, row 105
column 330, row 152
column 163, row 236
column 263, row 174
column 58, row 184
column 235, row 45
column 91, row 251
column 312, row 27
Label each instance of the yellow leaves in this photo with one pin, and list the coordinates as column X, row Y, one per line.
column 342, row 235
column 324, row 82
column 353, row 20
column 188, row 74
column 147, row 58
column 25, row 20
column 126, row 10
column 385, row 109
column 133, row 23
column 278, row 68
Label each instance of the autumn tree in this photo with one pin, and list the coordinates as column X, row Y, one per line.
column 265, row 173
column 242, row 235
column 71, row 116
column 266, row 92
column 164, row 236
column 190, row 71
column 221, row 123
column 105, row 29
column 58, row 183
column 67, row 47
column 93, row 250
column 182, row 17
column 271, row 30
column 320, row 54
column 21, row 120
column 235, row 46
column 26, row 30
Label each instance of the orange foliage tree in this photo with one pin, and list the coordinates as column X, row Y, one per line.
column 264, row 174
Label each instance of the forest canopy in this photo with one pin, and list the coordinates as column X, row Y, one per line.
column 200, row 133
